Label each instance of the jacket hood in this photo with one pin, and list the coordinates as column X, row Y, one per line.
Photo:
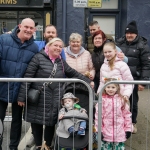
column 68, row 50
column 15, row 37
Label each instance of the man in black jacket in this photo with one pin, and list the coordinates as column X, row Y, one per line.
column 135, row 47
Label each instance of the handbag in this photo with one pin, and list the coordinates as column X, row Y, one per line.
column 34, row 94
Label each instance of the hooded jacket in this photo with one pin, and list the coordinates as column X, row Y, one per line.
column 46, row 110
column 120, row 71
column 14, row 59
column 116, row 119
column 82, row 62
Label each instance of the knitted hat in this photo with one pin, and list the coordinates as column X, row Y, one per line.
column 71, row 96
column 131, row 28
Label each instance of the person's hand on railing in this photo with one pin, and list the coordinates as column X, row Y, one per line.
column 21, row 103
column 141, row 87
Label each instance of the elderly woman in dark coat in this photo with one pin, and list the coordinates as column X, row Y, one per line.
column 45, row 112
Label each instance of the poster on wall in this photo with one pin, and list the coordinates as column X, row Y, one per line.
column 87, row 3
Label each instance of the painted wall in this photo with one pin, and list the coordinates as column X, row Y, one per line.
column 74, row 20
column 139, row 11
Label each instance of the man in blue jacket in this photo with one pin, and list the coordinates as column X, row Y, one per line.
column 50, row 32
column 16, row 51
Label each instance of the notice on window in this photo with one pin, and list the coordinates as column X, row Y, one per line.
column 87, row 3
column 94, row 3
column 80, row 3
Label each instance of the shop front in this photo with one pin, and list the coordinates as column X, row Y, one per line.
column 13, row 11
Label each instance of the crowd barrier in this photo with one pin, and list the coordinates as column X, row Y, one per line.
column 91, row 101
column 8, row 116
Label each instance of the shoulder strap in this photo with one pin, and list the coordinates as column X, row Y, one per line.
column 51, row 76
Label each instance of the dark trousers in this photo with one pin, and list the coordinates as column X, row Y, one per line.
column 134, row 103
column 37, row 131
column 16, row 124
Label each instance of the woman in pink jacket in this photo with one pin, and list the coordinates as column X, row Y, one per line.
column 114, row 67
column 116, row 118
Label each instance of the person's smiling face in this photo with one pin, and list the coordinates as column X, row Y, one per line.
column 111, row 89
column 109, row 52
column 55, row 49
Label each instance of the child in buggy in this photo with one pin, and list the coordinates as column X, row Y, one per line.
column 72, row 124
column 69, row 127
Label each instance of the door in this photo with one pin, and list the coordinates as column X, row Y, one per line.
column 107, row 16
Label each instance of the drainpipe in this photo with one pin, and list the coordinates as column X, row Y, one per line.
column 64, row 20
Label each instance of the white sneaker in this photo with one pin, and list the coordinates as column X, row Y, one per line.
column 134, row 128
column 30, row 142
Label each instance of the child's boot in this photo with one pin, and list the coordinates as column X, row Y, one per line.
column 71, row 131
column 81, row 131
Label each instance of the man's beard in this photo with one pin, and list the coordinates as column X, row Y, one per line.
column 47, row 39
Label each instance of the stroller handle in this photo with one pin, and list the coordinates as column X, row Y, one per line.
column 76, row 117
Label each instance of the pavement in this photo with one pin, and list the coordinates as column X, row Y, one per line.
column 138, row 141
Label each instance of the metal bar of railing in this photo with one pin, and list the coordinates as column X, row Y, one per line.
column 63, row 80
column 100, row 102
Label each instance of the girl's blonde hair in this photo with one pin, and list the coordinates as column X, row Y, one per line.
column 111, row 62
column 54, row 40
column 75, row 37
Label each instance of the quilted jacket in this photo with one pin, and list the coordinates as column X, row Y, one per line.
column 120, row 71
column 116, row 119
column 14, row 59
column 81, row 63
column 46, row 111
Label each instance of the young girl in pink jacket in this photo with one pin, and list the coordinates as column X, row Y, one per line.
column 114, row 67
column 116, row 118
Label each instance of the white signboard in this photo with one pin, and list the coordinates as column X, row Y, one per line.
column 80, row 3
column 87, row 3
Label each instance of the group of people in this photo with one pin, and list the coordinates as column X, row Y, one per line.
column 103, row 61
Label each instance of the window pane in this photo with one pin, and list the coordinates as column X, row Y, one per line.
column 109, row 4
column 8, row 20
column 107, row 24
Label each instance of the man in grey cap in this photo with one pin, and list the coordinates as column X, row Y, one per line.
column 137, row 51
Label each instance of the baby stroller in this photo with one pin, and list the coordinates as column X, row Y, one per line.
column 76, row 142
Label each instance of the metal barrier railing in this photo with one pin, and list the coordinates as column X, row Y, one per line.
column 62, row 80
column 100, row 105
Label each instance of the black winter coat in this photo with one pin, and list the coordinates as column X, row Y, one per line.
column 46, row 111
column 98, row 60
column 138, row 53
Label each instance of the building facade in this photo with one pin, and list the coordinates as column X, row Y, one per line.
column 113, row 16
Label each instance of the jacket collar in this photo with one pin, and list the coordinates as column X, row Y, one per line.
column 68, row 50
